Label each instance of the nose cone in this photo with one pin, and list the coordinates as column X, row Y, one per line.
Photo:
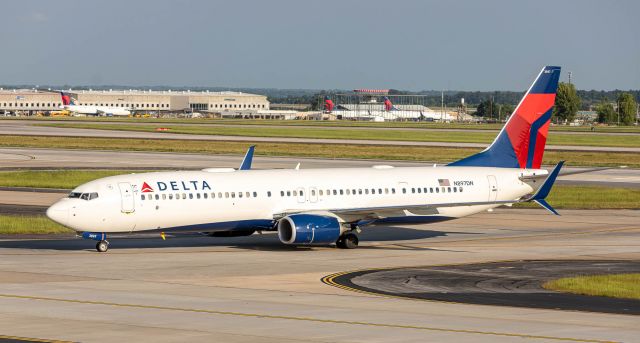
column 59, row 213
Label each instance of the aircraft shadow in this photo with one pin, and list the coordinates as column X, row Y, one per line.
column 267, row 241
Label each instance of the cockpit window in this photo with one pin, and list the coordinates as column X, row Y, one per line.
column 83, row 196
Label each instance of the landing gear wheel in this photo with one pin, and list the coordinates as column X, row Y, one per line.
column 348, row 241
column 102, row 246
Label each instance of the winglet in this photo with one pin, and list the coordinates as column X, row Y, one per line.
column 248, row 158
column 543, row 191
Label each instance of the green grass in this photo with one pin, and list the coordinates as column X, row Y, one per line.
column 338, row 123
column 371, row 134
column 353, row 151
column 626, row 286
column 54, row 178
column 590, row 197
column 16, row 225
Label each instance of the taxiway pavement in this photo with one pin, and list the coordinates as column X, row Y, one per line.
column 255, row 289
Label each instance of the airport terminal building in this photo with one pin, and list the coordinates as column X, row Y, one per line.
column 30, row 101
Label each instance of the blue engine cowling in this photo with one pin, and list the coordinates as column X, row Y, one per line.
column 308, row 229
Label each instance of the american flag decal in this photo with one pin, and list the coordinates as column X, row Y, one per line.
column 444, row 182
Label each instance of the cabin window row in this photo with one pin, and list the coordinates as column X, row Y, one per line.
column 213, row 195
column 433, row 190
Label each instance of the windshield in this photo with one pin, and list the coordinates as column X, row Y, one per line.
column 83, row 196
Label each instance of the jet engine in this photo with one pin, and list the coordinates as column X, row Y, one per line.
column 308, row 229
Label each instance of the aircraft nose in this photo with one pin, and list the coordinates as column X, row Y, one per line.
column 59, row 213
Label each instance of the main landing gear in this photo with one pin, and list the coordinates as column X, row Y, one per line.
column 102, row 246
column 347, row 241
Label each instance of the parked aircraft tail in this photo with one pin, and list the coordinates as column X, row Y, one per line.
column 521, row 142
column 67, row 99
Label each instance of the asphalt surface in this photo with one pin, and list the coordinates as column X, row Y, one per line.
column 26, row 128
column 512, row 283
column 254, row 289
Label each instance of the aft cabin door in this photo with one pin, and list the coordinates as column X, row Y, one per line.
column 493, row 187
column 126, row 197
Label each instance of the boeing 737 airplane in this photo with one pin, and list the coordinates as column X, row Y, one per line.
column 69, row 104
column 323, row 206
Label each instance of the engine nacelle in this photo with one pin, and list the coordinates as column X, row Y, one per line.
column 306, row 229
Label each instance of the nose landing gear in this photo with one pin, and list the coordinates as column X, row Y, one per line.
column 102, row 246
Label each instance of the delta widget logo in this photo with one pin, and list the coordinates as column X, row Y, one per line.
column 146, row 188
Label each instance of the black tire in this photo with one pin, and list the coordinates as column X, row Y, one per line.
column 350, row 241
column 340, row 243
column 102, row 246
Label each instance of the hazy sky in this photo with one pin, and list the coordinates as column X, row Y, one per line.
column 416, row 45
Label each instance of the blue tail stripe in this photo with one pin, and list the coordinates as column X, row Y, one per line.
column 533, row 135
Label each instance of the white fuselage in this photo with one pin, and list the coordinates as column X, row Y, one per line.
column 228, row 200
column 98, row 110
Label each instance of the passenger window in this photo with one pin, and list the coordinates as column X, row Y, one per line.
column 413, row 190
column 449, row 189
column 170, row 196
column 301, row 193
column 404, row 190
column 142, row 197
column 366, row 191
column 288, row 193
column 247, row 194
column 239, row 194
column 386, row 191
column 226, row 194
column 281, row 193
column 255, row 194
column 321, row 193
column 219, row 194
column 205, row 195
column 341, row 192
column 184, row 195
column 347, row 192
column 430, row 189
column 164, row 197
column 233, row 194
column 313, row 192
column 190, row 195
column 198, row 195
column 157, row 197
column 437, row 190
column 379, row 190
column 460, row 189
column 393, row 190
column 269, row 194
column 335, row 192
column 419, row 190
